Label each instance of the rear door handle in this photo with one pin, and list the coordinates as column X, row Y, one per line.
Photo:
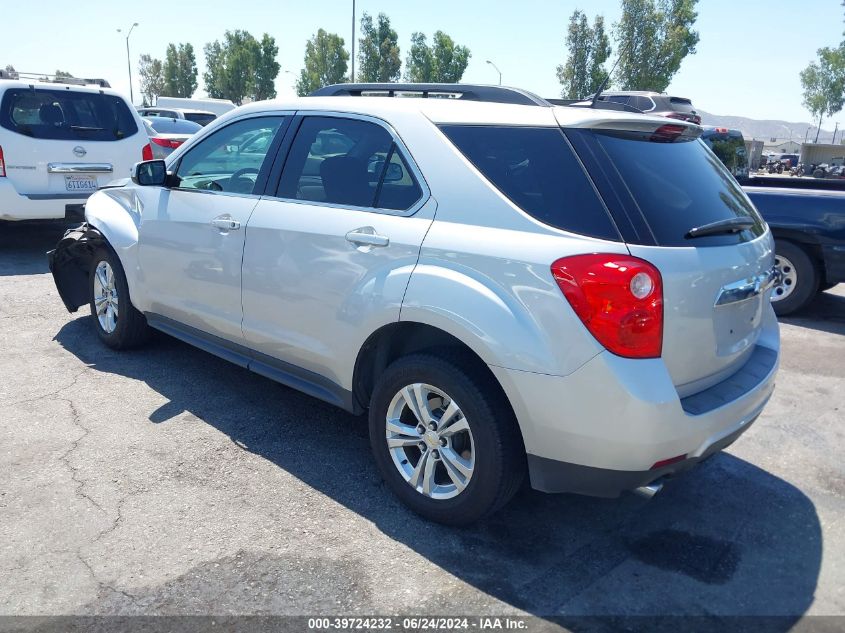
column 225, row 223
column 367, row 236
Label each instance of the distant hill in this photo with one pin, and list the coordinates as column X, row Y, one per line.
column 766, row 130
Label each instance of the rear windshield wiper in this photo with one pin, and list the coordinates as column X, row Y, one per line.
column 84, row 128
column 721, row 227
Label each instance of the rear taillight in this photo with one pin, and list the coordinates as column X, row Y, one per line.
column 668, row 133
column 677, row 115
column 164, row 142
column 147, row 152
column 619, row 298
column 2, row 164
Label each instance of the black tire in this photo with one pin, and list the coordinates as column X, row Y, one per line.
column 131, row 328
column 499, row 452
column 806, row 282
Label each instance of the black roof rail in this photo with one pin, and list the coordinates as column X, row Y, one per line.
column 467, row 92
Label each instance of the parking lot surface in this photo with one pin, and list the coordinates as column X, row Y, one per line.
column 168, row 481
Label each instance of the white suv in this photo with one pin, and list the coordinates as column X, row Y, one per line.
column 578, row 294
column 60, row 143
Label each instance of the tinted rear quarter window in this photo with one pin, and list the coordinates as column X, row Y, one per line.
column 676, row 186
column 66, row 115
column 538, row 171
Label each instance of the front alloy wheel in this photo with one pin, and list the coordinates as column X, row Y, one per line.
column 430, row 441
column 106, row 297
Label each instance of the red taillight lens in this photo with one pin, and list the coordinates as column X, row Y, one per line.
column 619, row 298
column 676, row 115
column 667, row 133
column 147, row 152
column 2, row 164
column 668, row 462
column 164, row 142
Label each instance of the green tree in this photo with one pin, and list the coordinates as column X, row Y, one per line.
column 151, row 72
column 241, row 67
column 378, row 50
column 326, row 63
column 589, row 48
column 180, row 70
column 653, row 37
column 824, row 84
column 266, row 69
column 442, row 62
column 418, row 63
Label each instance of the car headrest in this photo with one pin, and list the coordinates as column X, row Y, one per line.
column 51, row 114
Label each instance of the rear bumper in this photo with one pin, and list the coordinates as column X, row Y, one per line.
column 15, row 206
column 548, row 475
column 601, row 429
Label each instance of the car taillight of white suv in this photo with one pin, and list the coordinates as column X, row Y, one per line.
column 509, row 289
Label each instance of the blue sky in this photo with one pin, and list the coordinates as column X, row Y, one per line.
column 747, row 63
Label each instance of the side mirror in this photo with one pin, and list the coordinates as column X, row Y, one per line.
column 150, row 173
column 394, row 173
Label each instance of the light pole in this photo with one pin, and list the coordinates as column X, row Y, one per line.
column 352, row 74
column 497, row 70
column 835, row 130
column 128, row 62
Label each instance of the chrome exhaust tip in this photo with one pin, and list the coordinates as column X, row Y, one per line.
column 650, row 490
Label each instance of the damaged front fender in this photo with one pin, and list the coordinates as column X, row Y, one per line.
column 70, row 263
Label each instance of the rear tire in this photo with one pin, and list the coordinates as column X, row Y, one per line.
column 116, row 321
column 800, row 279
column 455, row 478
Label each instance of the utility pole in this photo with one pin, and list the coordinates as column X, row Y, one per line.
column 129, row 62
column 352, row 74
column 835, row 130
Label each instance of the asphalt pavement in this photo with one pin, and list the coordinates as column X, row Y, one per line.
column 168, row 481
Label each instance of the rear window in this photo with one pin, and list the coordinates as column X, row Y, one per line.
column 677, row 186
column 538, row 171
column 200, row 117
column 679, row 104
column 66, row 115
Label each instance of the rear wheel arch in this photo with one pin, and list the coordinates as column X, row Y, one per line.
column 403, row 338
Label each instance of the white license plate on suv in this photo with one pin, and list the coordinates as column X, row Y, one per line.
column 80, row 183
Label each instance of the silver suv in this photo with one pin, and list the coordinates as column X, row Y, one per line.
column 571, row 293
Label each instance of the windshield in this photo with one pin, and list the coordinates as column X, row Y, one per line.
column 66, row 115
column 677, row 186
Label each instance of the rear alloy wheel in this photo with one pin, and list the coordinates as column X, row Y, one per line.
column 445, row 439
column 430, row 441
column 799, row 280
column 116, row 321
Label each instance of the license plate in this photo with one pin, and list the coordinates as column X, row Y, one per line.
column 80, row 183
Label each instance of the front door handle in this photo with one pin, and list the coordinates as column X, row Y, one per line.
column 367, row 236
column 225, row 223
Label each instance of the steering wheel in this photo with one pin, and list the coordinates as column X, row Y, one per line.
column 242, row 172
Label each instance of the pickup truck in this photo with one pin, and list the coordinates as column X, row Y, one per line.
column 807, row 219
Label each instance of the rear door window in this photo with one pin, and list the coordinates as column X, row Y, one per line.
column 675, row 185
column 538, row 171
column 348, row 162
column 66, row 115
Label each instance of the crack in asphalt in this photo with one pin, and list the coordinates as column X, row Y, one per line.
column 101, row 584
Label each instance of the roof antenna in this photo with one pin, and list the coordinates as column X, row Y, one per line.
column 607, row 79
